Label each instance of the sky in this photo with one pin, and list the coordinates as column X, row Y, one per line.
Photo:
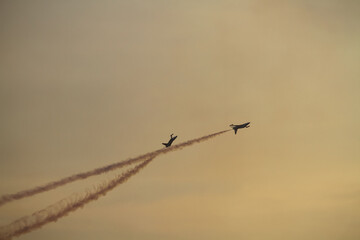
column 88, row 83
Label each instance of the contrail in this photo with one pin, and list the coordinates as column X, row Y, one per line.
column 52, row 185
column 60, row 209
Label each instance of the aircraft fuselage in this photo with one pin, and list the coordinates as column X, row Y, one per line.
column 236, row 127
column 168, row 144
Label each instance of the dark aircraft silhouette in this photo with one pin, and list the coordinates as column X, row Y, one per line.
column 236, row 127
column 168, row 144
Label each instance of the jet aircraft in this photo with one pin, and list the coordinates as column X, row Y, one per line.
column 236, row 127
column 168, row 144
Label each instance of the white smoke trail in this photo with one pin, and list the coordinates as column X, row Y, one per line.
column 52, row 185
column 60, row 209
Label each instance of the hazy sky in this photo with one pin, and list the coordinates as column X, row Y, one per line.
column 88, row 83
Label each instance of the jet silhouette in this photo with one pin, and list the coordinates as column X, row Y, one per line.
column 236, row 127
column 168, row 144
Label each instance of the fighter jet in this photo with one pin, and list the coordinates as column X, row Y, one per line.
column 168, row 144
column 236, row 127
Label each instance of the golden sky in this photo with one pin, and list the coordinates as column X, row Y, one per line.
column 88, row 83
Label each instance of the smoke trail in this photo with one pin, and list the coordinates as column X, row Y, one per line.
column 60, row 209
column 52, row 185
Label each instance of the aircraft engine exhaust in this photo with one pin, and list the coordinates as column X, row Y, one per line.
column 60, row 209
column 52, row 185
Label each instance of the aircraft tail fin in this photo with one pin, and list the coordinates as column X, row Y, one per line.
column 164, row 144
